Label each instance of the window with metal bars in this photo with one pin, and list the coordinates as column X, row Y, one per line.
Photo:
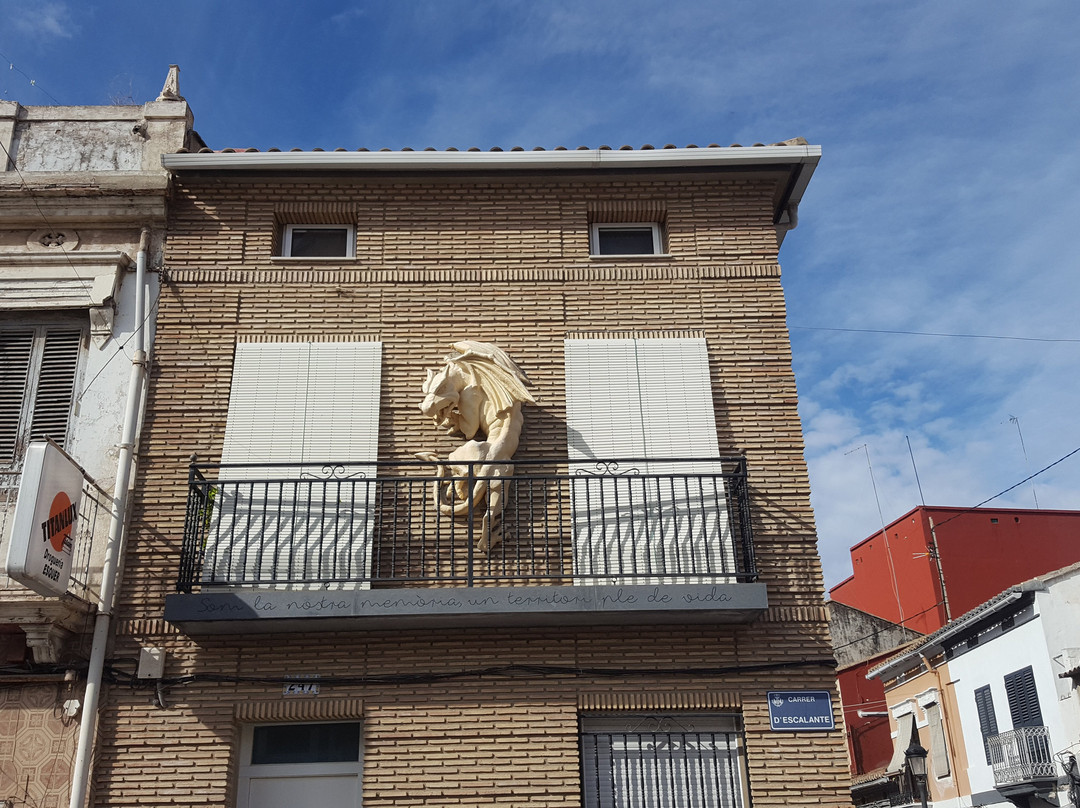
column 38, row 368
column 676, row 760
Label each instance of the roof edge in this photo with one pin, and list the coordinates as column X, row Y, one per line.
column 588, row 159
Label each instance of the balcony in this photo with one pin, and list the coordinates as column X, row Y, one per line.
column 325, row 546
column 1023, row 762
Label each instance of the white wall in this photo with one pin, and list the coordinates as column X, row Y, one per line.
column 988, row 664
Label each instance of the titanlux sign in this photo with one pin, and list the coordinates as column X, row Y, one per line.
column 40, row 552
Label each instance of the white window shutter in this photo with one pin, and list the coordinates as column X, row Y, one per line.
column 298, row 402
column 303, row 402
column 645, row 399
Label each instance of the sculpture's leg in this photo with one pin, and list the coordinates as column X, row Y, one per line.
column 491, row 527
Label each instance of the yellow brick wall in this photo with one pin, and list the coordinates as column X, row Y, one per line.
column 503, row 261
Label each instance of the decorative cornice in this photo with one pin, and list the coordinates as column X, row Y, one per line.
column 306, row 708
column 682, row 700
column 339, row 275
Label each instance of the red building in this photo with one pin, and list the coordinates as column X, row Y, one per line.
column 932, row 564
column 926, row 567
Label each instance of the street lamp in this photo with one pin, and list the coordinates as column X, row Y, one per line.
column 915, row 755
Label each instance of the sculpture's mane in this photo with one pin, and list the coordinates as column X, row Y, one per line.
column 489, row 368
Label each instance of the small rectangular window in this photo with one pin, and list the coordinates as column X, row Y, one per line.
column 318, row 241
column 305, row 743
column 638, row 238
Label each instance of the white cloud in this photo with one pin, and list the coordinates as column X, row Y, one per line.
column 38, row 21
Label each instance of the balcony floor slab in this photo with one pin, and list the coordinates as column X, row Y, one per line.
column 285, row 611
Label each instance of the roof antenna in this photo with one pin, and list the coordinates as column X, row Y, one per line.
column 884, row 534
column 1027, row 466
column 922, row 499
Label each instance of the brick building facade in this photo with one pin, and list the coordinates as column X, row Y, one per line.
column 439, row 672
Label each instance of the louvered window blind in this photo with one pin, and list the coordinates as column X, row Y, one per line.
column 645, row 521
column 939, row 753
column 1023, row 698
column 984, row 707
column 298, row 402
column 38, row 367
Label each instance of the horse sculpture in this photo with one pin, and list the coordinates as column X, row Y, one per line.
column 477, row 392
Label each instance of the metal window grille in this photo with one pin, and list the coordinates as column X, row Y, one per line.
column 670, row 761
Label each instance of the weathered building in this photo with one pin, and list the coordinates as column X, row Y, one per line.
column 82, row 192
column 322, row 614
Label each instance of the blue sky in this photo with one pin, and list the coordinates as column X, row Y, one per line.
column 942, row 204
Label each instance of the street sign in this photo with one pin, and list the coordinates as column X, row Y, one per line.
column 800, row 711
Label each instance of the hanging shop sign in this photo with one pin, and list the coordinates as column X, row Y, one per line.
column 46, row 513
column 800, row 710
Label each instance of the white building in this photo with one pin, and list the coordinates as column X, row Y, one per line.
column 1007, row 672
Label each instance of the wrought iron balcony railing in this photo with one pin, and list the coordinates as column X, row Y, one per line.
column 415, row 523
column 1022, row 756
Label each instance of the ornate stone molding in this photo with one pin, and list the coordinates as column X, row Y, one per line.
column 57, row 278
column 47, row 642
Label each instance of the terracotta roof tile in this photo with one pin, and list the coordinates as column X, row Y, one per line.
column 798, row 141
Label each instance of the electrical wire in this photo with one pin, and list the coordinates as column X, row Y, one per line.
column 504, row 671
column 930, row 334
column 33, row 82
column 1010, row 488
column 44, row 218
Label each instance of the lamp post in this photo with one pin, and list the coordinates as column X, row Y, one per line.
column 915, row 755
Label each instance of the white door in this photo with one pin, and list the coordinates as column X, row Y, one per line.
column 286, row 765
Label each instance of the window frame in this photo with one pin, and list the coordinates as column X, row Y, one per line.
column 596, row 228
column 287, row 241
column 40, row 328
column 248, row 771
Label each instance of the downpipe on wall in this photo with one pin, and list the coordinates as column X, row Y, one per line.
column 80, row 778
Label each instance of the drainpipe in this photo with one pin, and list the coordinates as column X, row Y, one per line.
column 109, row 573
column 936, row 555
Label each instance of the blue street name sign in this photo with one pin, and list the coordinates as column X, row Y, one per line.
column 800, row 710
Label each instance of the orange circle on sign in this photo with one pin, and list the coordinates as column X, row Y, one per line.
column 60, row 504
